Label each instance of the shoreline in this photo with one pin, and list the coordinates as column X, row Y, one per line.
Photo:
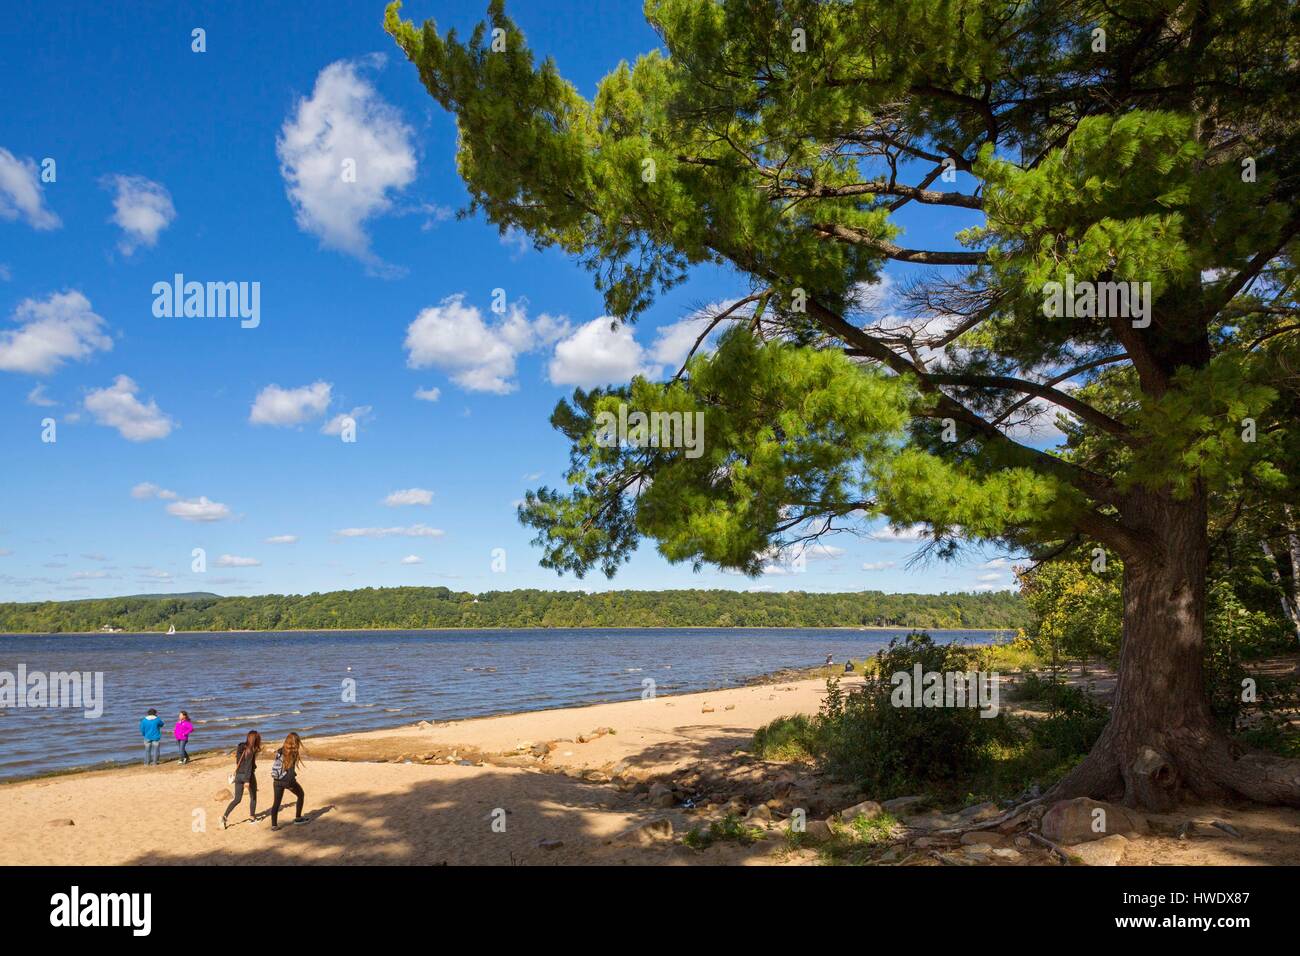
column 779, row 676
column 430, row 630
column 415, row 793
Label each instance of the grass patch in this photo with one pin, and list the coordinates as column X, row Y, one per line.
column 787, row 738
column 729, row 829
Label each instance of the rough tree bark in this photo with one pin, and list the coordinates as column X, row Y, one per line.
column 1161, row 745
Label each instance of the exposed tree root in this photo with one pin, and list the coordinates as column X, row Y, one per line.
column 1163, row 770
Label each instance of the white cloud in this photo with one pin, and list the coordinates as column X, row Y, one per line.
column 878, row 565
column 478, row 355
column 21, row 193
column 409, row 496
column 342, row 152
column 282, row 539
column 915, row 532
column 235, row 561
column 984, row 578
column 89, row 575
column 117, row 407
column 190, row 509
column 335, row 425
column 52, row 330
column 599, row 353
column 290, row 406
column 515, row 238
column 412, row 559
column 428, row 394
column 147, row 489
column 142, row 208
column 38, row 397
column 413, row 531
column 673, row 342
column 199, row 509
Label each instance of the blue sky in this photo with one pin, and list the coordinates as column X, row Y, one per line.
column 176, row 433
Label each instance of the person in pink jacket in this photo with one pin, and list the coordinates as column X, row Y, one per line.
column 182, row 731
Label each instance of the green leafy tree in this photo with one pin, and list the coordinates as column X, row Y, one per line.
column 1077, row 611
column 1138, row 141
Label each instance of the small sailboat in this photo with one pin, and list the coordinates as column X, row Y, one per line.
column 171, row 630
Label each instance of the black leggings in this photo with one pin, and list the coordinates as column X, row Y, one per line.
column 239, row 795
column 293, row 787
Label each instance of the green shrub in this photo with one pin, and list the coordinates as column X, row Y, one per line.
column 1074, row 723
column 889, row 750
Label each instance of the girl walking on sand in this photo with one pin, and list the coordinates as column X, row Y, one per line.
column 284, row 776
column 182, row 732
column 245, row 773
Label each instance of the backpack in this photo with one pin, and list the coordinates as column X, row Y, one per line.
column 277, row 767
column 244, row 765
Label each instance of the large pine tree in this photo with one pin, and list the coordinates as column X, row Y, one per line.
column 1083, row 144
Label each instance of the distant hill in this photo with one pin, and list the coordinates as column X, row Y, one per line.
column 158, row 597
column 441, row 607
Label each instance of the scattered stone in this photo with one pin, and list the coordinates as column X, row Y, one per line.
column 1107, row 851
column 932, row 821
column 758, row 814
column 645, row 834
column 60, row 823
column 867, row 808
column 818, row 831
column 1072, row 821
column 899, row 804
column 706, row 710
column 1008, row 854
column 730, row 707
column 223, row 794
column 661, row 795
column 979, row 813
column 540, row 750
column 550, row 844
column 989, row 837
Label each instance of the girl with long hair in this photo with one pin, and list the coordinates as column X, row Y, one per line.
column 284, row 776
column 245, row 773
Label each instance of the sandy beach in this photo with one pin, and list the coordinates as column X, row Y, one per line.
column 377, row 797
column 572, row 786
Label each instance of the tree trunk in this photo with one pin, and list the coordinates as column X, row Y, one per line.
column 1161, row 745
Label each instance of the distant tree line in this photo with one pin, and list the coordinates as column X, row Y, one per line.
column 413, row 607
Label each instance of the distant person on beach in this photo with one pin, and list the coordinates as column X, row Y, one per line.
column 848, row 667
column 182, row 732
column 245, row 773
column 830, row 659
column 151, row 727
column 284, row 776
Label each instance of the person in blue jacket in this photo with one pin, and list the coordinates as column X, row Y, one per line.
column 151, row 727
